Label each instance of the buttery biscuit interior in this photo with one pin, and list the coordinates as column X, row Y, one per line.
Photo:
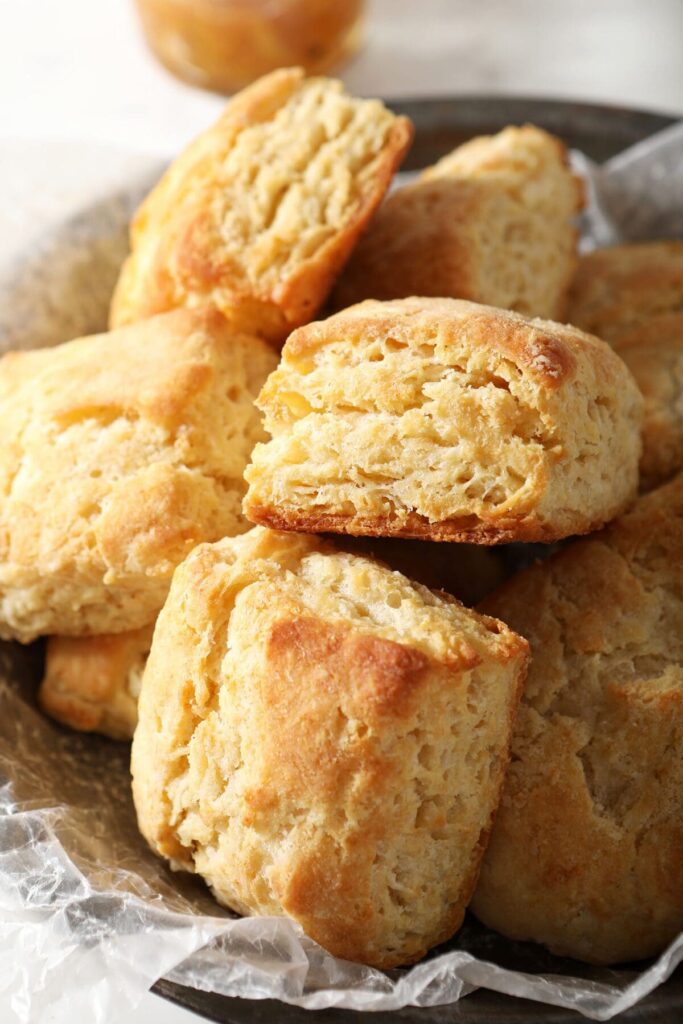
column 322, row 738
column 632, row 296
column 257, row 217
column 442, row 419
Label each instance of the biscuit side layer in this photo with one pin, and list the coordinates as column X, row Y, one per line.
column 623, row 286
column 587, row 850
column 632, row 295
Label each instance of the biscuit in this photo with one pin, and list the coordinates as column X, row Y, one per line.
column 321, row 738
column 445, row 420
column 624, row 286
column 653, row 352
column 632, row 295
column 259, row 214
column 120, row 453
column 587, row 848
column 93, row 683
column 491, row 222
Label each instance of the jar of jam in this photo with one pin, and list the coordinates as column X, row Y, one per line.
column 225, row 44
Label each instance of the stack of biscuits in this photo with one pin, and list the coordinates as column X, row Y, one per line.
column 262, row 522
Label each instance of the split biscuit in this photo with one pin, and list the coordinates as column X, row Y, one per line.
column 259, row 214
column 120, row 453
column 444, row 420
column 321, row 738
column 93, row 683
column 491, row 222
column 587, row 848
column 632, row 295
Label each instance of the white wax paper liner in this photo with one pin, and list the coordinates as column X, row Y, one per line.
column 89, row 919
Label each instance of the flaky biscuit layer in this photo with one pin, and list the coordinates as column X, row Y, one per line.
column 445, row 420
column 259, row 214
column 93, row 683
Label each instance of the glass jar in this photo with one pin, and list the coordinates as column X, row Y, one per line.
column 225, row 44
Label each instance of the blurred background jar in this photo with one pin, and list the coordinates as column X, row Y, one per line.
column 225, row 44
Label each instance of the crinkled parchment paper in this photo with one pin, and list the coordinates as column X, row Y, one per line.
column 89, row 918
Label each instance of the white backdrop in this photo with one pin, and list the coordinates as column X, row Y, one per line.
column 79, row 69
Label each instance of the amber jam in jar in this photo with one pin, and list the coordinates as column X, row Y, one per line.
column 225, row 44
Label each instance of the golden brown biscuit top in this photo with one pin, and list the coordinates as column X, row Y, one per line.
column 118, row 447
column 341, row 588
column 268, row 606
column 306, row 718
column 152, row 371
column 513, row 159
column 546, row 350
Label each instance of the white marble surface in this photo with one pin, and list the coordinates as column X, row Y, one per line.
column 84, row 106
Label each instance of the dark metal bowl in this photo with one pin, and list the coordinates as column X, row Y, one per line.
column 440, row 125
column 599, row 131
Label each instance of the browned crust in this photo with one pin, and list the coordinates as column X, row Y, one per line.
column 549, row 352
column 373, row 679
column 379, row 673
column 69, row 709
column 468, row 529
column 416, row 245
